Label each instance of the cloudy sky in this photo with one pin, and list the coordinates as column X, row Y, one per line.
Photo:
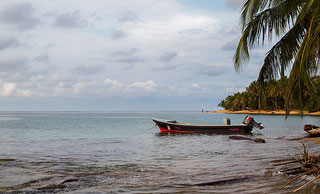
column 118, row 55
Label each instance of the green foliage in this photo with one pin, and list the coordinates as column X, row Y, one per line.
column 274, row 97
column 296, row 26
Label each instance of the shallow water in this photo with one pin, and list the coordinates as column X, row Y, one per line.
column 97, row 152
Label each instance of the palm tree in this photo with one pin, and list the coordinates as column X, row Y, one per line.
column 273, row 92
column 227, row 103
column 244, row 100
column 253, row 93
column 281, row 84
column 296, row 25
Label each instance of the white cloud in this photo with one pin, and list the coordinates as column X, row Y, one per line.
column 113, row 87
column 170, row 31
column 195, row 85
column 6, row 89
column 78, row 87
column 148, row 86
column 112, row 83
column 232, row 88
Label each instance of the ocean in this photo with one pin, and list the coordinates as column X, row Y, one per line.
column 123, row 152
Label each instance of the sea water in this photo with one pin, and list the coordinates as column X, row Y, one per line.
column 113, row 152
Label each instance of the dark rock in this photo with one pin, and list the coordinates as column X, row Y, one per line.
column 308, row 127
column 259, row 140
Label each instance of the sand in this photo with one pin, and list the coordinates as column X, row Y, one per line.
column 274, row 112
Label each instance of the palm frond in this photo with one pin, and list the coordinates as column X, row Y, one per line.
column 299, row 79
column 281, row 54
column 265, row 24
column 250, row 8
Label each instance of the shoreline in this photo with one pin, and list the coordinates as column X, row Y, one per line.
column 315, row 140
column 263, row 112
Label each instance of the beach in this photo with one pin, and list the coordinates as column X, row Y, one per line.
column 263, row 112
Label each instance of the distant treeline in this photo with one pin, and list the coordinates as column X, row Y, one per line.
column 272, row 97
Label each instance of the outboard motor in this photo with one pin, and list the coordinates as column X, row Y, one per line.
column 249, row 121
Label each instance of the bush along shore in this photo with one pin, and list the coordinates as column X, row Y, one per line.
column 264, row 112
column 271, row 98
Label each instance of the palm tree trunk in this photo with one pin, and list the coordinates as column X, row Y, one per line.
column 282, row 71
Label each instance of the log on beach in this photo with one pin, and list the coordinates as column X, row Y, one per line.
column 312, row 130
column 257, row 140
column 308, row 165
column 308, row 127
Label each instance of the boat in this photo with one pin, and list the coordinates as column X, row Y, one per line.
column 173, row 126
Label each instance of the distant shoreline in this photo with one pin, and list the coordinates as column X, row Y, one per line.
column 263, row 112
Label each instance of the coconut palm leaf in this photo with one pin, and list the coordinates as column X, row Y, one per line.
column 296, row 23
column 304, row 67
column 271, row 21
column 281, row 54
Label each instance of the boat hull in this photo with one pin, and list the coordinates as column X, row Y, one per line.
column 177, row 127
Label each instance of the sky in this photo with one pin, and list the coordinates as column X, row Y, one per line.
column 120, row 55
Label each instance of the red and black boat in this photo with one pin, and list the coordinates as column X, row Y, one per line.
column 167, row 126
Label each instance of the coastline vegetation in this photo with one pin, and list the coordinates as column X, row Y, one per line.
column 273, row 98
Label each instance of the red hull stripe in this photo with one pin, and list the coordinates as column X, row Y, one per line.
column 164, row 130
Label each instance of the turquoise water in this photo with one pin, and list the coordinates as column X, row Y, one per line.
column 103, row 152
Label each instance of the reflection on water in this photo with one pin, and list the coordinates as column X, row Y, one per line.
column 116, row 152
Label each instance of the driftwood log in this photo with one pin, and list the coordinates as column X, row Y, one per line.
column 312, row 130
column 308, row 165
column 257, row 140
column 308, row 127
